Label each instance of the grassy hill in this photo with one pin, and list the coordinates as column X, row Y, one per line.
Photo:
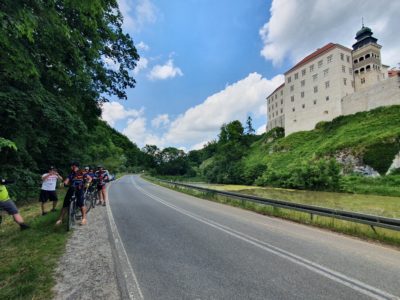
column 319, row 158
column 373, row 136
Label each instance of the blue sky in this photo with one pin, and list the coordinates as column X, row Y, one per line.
column 208, row 62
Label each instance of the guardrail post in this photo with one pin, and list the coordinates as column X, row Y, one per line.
column 312, row 217
column 373, row 228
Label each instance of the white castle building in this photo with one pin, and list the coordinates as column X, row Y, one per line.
column 332, row 81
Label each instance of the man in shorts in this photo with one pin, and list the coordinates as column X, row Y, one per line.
column 9, row 206
column 48, row 190
column 75, row 180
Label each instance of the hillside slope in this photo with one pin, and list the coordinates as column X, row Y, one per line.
column 372, row 137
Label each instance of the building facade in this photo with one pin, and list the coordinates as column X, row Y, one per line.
column 324, row 84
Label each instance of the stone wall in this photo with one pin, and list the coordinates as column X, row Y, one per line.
column 384, row 93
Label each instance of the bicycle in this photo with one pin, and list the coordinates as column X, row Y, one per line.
column 74, row 213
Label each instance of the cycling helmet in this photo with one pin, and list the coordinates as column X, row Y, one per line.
column 87, row 168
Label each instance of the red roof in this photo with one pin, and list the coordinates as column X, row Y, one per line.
column 276, row 89
column 315, row 54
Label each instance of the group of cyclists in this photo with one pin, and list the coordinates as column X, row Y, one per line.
column 78, row 181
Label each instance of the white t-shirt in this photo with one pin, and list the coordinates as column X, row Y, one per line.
column 49, row 184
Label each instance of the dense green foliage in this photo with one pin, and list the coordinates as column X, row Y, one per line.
column 306, row 160
column 53, row 80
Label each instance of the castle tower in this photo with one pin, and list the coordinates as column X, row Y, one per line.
column 367, row 64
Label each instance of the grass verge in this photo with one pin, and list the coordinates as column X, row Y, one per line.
column 382, row 235
column 28, row 258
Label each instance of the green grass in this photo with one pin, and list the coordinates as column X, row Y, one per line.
column 28, row 258
column 382, row 235
column 368, row 204
column 361, row 133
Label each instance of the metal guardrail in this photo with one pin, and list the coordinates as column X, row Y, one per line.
column 372, row 220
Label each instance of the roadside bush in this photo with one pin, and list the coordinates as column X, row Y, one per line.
column 251, row 173
column 322, row 174
column 380, row 156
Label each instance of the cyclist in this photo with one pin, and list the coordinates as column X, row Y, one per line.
column 48, row 190
column 102, row 179
column 75, row 180
column 9, row 206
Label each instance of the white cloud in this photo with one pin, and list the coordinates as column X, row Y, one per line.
column 168, row 70
column 141, row 65
column 115, row 111
column 137, row 14
column 142, row 46
column 261, row 129
column 236, row 101
column 111, row 64
column 201, row 123
column 160, row 120
column 298, row 27
column 137, row 131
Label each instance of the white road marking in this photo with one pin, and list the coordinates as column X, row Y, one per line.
column 353, row 283
column 134, row 290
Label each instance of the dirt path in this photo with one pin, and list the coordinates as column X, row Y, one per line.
column 87, row 269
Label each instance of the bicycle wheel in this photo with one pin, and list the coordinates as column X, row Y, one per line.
column 87, row 201
column 71, row 215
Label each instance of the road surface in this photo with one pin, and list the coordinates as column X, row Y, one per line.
column 182, row 247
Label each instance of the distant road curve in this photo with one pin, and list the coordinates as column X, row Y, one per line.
column 182, row 247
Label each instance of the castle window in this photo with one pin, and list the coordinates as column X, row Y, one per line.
column 315, row 77
column 303, row 82
column 273, row 114
column 304, row 106
column 315, row 89
column 281, row 101
column 326, row 84
column 326, row 112
column 320, row 64
column 362, row 80
column 292, row 98
column 327, row 98
column 356, row 71
column 293, row 109
column 302, row 94
column 312, row 68
column 296, row 76
column 292, row 88
column 303, row 72
column 367, row 56
column 343, row 69
column 362, row 70
column 341, row 56
column 315, row 102
column 356, row 61
column 326, row 71
column 276, row 96
column 350, row 71
column 329, row 59
column 348, row 58
column 368, row 68
column 344, row 81
column 281, row 110
column 361, row 59
column 289, row 80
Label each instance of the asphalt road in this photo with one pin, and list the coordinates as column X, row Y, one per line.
column 182, row 247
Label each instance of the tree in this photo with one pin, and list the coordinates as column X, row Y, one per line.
column 249, row 126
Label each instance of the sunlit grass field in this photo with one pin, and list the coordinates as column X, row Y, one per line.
column 28, row 258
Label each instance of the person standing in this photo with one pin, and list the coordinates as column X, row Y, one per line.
column 9, row 206
column 48, row 190
column 75, row 180
column 102, row 179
